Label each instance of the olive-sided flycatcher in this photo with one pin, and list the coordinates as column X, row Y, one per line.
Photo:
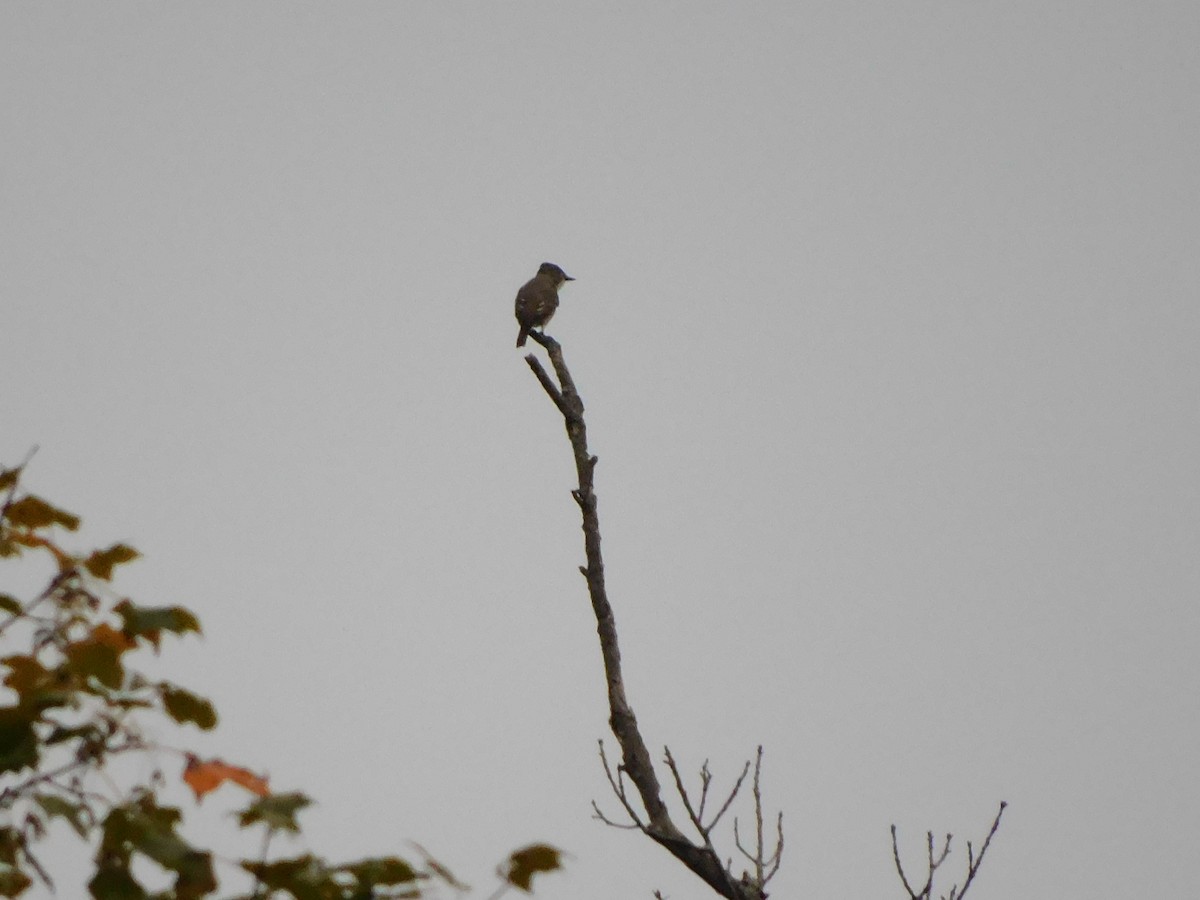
column 538, row 299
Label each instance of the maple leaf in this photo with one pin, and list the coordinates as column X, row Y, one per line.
column 205, row 776
column 528, row 861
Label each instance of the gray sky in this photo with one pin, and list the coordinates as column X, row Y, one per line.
column 886, row 320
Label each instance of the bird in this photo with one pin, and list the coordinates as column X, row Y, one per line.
column 538, row 299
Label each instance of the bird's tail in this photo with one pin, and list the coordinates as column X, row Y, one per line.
column 521, row 337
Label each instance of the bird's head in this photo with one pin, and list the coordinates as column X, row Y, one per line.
column 557, row 275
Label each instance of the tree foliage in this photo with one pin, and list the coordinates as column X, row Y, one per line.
column 76, row 702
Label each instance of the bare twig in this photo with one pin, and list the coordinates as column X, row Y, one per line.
column 259, row 885
column 618, row 788
column 775, row 860
column 693, row 812
column 737, row 786
column 598, row 813
column 35, row 863
column 548, row 383
column 17, row 791
column 974, row 862
column 696, row 813
column 705, row 784
column 765, row 866
column 900, row 867
column 934, row 861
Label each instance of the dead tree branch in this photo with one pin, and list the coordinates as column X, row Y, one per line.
column 933, row 860
column 700, row 858
column 765, row 866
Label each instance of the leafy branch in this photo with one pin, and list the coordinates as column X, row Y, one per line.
column 78, row 705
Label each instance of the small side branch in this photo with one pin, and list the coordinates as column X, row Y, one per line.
column 696, row 813
column 934, row 858
column 765, row 865
column 617, row 783
column 547, row 383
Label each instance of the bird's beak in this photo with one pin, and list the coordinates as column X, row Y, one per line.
column 567, row 277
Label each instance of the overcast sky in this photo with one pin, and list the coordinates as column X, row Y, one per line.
column 886, row 320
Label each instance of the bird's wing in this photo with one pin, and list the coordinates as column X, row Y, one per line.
column 535, row 302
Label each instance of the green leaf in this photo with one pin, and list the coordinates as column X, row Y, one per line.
column 277, row 812
column 34, row 512
column 184, row 706
column 13, row 882
column 101, row 562
column 304, row 877
column 162, row 845
column 380, row 870
column 55, row 806
column 149, row 621
column 37, row 687
column 114, row 882
column 143, row 827
column 528, row 861
column 11, row 604
column 95, row 659
column 18, row 741
column 194, row 876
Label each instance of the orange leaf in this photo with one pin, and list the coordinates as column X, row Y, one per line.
column 204, row 776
